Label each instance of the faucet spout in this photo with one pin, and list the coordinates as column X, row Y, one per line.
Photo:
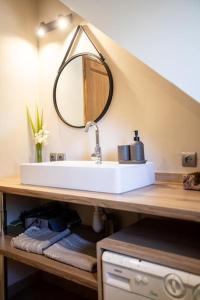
column 97, row 156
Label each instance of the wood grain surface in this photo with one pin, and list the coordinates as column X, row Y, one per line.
column 160, row 199
column 2, row 291
column 48, row 265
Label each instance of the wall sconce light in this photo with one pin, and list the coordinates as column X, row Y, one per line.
column 61, row 23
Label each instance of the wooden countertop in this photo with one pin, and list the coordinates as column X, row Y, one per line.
column 161, row 199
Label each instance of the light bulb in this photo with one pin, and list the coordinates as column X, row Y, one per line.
column 41, row 32
column 62, row 22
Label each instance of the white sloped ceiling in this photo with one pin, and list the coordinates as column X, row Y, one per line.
column 165, row 35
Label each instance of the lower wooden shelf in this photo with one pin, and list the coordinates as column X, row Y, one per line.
column 45, row 264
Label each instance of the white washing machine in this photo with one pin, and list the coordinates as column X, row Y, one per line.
column 128, row 278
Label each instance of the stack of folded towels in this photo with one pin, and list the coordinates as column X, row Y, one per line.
column 36, row 239
column 66, row 247
column 74, row 250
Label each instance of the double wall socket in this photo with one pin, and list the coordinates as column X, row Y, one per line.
column 189, row 159
column 61, row 156
column 53, row 156
column 57, row 156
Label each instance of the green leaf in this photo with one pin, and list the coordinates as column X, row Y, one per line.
column 42, row 120
column 30, row 121
column 38, row 119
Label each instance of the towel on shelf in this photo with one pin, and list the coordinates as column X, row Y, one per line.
column 75, row 251
column 36, row 239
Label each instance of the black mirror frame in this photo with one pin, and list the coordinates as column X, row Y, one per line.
column 110, row 85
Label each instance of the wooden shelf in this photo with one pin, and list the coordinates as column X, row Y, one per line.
column 171, row 243
column 160, row 199
column 45, row 264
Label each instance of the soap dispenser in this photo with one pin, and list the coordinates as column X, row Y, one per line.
column 137, row 150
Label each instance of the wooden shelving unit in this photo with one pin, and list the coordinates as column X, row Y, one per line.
column 45, row 264
column 162, row 199
column 174, row 244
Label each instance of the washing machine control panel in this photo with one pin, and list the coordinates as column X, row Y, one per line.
column 148, row 280
column 141, row 279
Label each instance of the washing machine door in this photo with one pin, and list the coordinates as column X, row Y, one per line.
column 113, row 293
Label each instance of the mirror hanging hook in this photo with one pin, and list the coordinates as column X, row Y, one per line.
column 84, row 30
column 76, row 33
column 70, row 47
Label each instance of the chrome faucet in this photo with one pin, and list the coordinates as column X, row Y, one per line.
column 97, row 156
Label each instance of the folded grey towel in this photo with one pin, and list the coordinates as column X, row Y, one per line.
column 75, row 251
column 36, row 239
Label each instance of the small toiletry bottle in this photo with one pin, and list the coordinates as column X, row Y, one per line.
column 137, row 149
column 123, row 153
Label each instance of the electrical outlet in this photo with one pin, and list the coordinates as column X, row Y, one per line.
column 53, row 156
column 61, row 156
column 189, row 159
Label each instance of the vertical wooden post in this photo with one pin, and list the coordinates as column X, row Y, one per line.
column 99, row 272
column 2, row 278
column 2, row 261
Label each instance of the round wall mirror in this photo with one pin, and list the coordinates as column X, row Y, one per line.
column 82, row 90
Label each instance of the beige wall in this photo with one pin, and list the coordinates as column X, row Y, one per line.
column 18, row 88
column 18, row 80
column 168, row 120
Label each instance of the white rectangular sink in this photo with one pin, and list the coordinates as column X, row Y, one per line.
column 108, row 177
